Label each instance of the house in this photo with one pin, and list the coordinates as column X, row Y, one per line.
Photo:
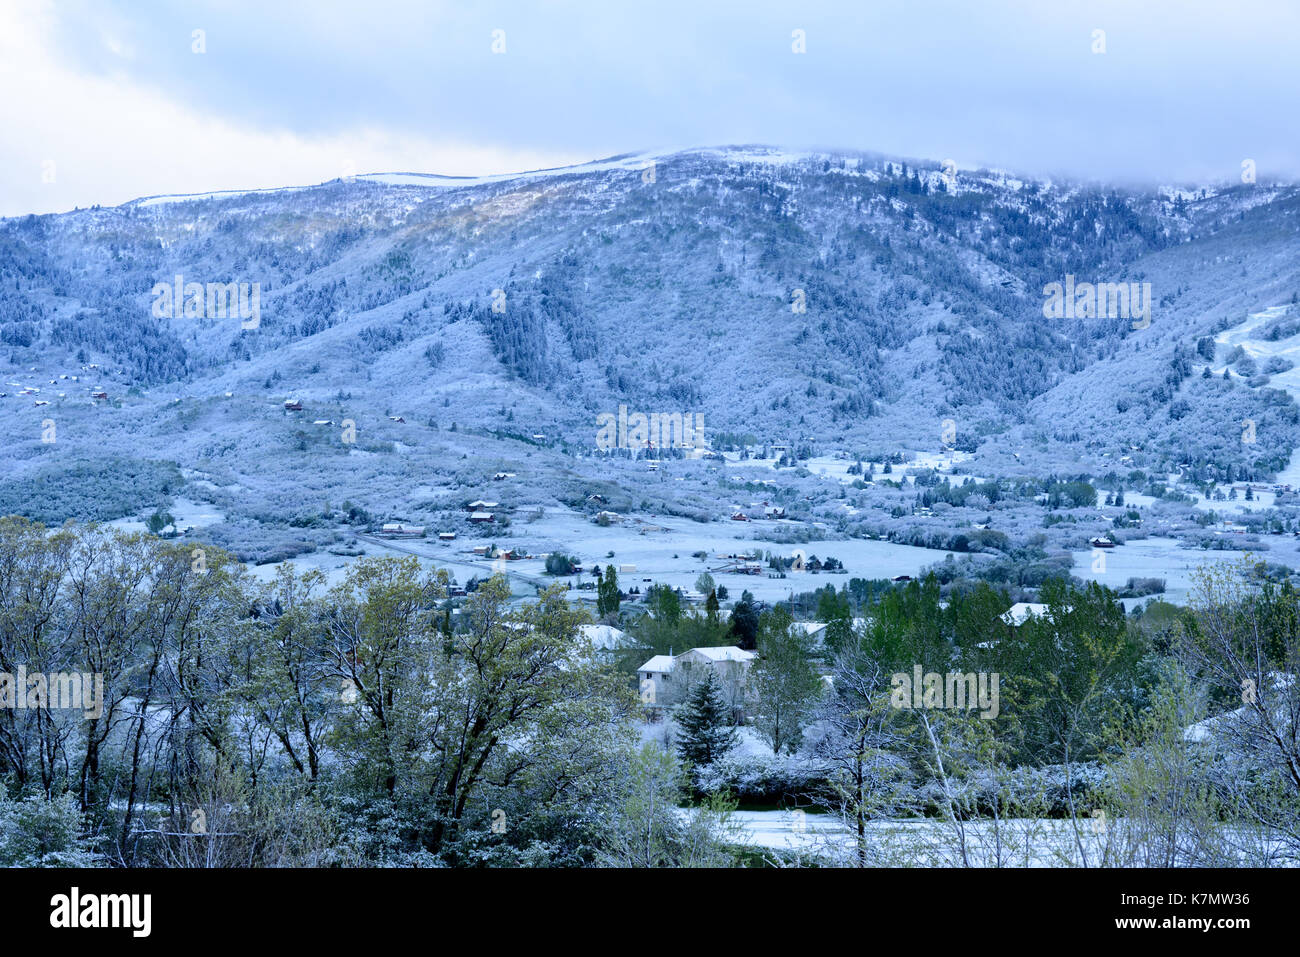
column 480, row 506
column 730, row 663
column 99, row 394
column 739, row 517
column 446, row 536
column 397, row 418
column 654, row 678
column 774, row 511
column 480, row 549
column 292, row 405
column 901, row 578
column 607, row 518
column 502, row 476
column 481, row 517
column 1101, row 543
column 398, row 530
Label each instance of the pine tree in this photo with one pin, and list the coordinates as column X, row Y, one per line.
column 744, row 622
column 704, row 722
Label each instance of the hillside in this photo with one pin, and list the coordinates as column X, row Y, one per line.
column 484, row 312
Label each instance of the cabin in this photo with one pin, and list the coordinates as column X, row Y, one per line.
column 99, row 394
column 774, row 511
column 292, row 405
column 480, row 550
column 397, row 418
column 481, row 518
column 398, row 530
column 480, row 506
column 1101, row 543
column 446, row 536
column 739, row 517
column 502, row 476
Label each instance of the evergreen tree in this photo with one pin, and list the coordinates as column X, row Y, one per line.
column 744, row 622
column 704, row 722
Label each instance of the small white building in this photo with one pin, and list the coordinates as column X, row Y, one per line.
column 654, row 678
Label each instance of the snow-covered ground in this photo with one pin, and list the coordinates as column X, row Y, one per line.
column 1261, row 350
column 1151, row 558
column 928, row 842
column 187, row 514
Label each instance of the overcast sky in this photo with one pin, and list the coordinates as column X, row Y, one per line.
column 103, row 101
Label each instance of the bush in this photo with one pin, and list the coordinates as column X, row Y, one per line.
column 35, row 832
column 557, row 563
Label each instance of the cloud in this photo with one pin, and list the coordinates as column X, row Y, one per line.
column 296, row 92
column 105, row 138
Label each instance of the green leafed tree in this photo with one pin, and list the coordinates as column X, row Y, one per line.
column 785, row 685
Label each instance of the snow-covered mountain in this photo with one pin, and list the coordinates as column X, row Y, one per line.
column 836, row 300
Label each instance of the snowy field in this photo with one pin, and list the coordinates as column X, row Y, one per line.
column 1165, row 558
column 928, row 842
column 836, row 467
column 187, row 514
column 660, row 548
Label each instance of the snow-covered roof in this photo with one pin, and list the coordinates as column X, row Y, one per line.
column 1019, row 613
column 603, row 636
column 662, row 663
column 725, row 653
column 1211, row 728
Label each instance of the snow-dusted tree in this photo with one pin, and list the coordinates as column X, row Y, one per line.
column 647, row 829
column 704, row 723
column 858, row 735
column 783, row 684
